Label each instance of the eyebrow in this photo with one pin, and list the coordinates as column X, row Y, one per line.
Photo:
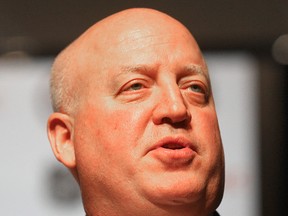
column 197, row 69
column 191, row 68
column 134, row 69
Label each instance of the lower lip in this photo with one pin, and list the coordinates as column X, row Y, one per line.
column 176, row 157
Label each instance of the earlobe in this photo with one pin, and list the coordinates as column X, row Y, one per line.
column 60, row 134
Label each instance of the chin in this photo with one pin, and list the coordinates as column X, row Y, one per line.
column 179, row 200
column 177, row 191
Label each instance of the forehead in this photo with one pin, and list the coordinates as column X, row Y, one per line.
column 149, row 46
column 148, row 43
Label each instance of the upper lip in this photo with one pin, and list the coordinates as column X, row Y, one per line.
column 174, row 141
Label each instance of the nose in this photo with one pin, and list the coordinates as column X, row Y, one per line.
column 171, row 108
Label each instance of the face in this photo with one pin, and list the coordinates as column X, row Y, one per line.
column 146, row 131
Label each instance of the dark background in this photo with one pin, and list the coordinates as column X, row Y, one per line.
column 43, row 28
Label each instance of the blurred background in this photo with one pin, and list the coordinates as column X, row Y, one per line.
column 246, row 47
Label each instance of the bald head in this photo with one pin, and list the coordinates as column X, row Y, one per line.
column 129, row 25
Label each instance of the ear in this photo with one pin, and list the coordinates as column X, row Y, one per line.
column 60, row 134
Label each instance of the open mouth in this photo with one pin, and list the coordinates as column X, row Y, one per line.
column 172, row 146
column 174, row 151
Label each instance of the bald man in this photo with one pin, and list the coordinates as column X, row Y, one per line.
column 135, row 120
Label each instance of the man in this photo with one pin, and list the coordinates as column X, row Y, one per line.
column 135, row 120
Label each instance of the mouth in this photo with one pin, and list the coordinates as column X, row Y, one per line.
column 174, row 143
column 173, row 146
column 174, row 151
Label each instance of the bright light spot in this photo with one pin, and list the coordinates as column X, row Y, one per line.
column 280, row 49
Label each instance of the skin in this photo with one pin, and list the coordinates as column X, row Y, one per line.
column 144, row 137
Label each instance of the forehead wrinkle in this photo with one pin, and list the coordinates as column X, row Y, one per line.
column 135, row 43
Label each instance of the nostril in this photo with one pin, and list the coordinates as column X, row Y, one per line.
column 181, row 124
column 167, row 120
column 176, row 124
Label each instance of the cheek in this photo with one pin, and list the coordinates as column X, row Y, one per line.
column 108, row 143
column 211, row 151
column 125, row 124
column 109, row 129
column 208, row 132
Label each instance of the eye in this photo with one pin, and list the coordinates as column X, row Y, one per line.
column 135, row 91
column 197, row 88
column 135, row 87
